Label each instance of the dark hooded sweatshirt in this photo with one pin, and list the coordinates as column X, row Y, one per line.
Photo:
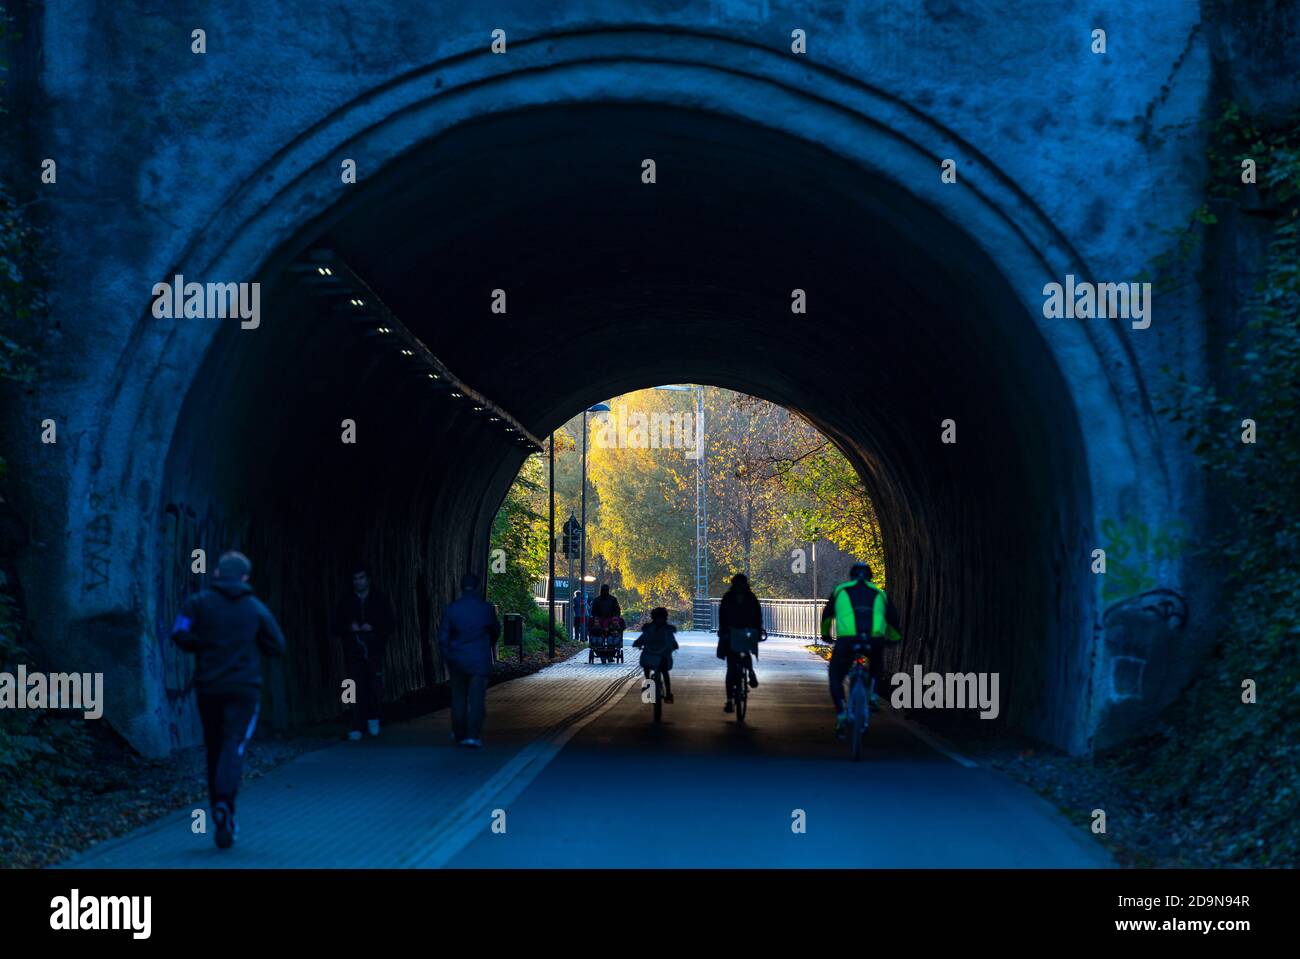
column 739, row 609
column 226, row 627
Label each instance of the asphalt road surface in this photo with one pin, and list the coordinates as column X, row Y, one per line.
column 575, row 774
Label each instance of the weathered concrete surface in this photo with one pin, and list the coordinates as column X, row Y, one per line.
column 521, row 171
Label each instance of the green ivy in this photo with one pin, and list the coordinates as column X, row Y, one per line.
column 34, row 746
column 1233, row 767
column 519, row 530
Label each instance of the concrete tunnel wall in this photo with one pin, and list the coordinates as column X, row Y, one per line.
column 775, row 172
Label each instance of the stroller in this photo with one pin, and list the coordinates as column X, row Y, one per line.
column 605, row 639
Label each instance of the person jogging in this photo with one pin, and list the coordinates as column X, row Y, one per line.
column 226, row 628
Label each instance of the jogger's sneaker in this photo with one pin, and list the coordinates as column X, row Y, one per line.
column 841, row 725
column 224, row 820
column 354, row 735
column 373, row 726
column 730, row 707
column 472, row 743
column 668, row 697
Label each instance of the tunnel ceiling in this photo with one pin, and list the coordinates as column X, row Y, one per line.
column 689, row 278
column 612, row 285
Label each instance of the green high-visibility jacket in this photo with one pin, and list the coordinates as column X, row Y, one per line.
column 860, row 608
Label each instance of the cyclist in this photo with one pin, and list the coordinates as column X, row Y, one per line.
column 657, row 641
column 863, row 616
column 739, row 609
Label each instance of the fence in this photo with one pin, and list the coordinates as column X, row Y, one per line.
column 799, row 618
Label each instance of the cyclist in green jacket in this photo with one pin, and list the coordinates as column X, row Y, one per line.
column 864, row 617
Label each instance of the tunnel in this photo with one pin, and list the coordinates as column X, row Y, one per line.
column 913, row 336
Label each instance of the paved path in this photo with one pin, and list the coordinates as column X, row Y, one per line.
column 577, row 775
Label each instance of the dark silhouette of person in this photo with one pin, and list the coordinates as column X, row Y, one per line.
column 228, row 629
column 739, row 609
column 605, row 606
column 657, row 641
column 467, row 638
column 364, row 621
column 864, row 618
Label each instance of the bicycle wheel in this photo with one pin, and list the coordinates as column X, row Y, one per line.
column 659, row 696
column 858, row 707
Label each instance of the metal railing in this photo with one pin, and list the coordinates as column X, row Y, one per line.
column 800, row 618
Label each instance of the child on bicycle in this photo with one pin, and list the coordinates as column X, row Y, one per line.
column 657, row 641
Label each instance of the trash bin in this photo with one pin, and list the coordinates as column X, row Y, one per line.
column 513, row 633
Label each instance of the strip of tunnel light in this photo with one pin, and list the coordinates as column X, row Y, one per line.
column 333, row 280
column 402, row 333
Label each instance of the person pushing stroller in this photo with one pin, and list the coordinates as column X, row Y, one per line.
column 657, row 641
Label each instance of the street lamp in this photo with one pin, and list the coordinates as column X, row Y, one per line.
column 550, row 583
column 582, row 563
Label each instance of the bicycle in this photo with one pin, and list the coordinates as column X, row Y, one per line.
column 859, row 700
column 740, row 686
column 743, row 643
column 657, row 680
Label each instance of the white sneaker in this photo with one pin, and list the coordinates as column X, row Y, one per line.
column 373, row 726
column 472, row 743
column 355, row 735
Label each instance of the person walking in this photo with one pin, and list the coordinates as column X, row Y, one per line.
column 364, row 621
column 605, row 606
column 467, row 638
column 228, row 630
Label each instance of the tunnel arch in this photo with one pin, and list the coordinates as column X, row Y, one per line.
column 294, row 199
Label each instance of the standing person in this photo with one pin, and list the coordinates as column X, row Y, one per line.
column 467, row 638
column 363, row 621
column 227, row 627
column 739, row 609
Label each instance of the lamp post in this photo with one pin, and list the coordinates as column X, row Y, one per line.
column 582, row 562
column 550, row 584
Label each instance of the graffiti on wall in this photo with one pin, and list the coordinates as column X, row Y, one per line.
column 1136, row 629
column 97, row 547
column 1135, row 553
